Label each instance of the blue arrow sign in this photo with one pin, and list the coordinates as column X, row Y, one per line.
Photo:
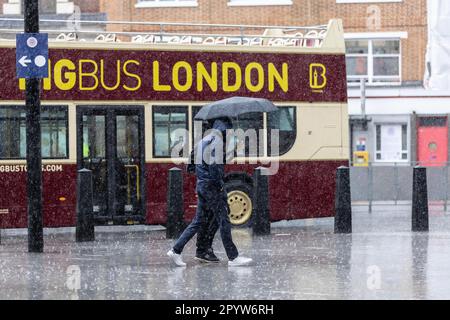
column 32, row 55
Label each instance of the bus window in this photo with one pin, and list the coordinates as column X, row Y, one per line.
column 195, row 110
column 169, row 130
column 13, row 132
column 245, row 122
column 94, row 131
column 197, row 134
column 54, row 133
column 251, row 124
column 285, row 120
column 127, row 137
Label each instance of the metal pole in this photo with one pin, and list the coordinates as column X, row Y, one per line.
column 363, row 97
column 396, row 182
column 370, row 173
column 445, row 168
column 352, row 162
column 34, row 161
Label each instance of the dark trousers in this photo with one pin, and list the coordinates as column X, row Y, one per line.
column 211, row 214
column 207, row 231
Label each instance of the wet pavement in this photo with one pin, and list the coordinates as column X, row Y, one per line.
column 303, row 259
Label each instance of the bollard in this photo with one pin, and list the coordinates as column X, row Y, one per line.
column 175, row 210
column 343, row 203
column 261, row 211
column 85, row 230
column 420, row 200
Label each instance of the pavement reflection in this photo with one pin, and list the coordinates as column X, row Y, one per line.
column 382, row 259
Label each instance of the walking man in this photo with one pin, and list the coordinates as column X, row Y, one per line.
column 212, row 207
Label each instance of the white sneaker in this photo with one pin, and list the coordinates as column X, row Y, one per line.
column 176, row 258
column 239, row 261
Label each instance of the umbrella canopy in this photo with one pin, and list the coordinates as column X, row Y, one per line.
column 233, row 107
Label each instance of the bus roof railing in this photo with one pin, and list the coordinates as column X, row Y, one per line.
column 183, row 24
column 299, row 36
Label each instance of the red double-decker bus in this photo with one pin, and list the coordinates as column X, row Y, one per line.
column 112, row 105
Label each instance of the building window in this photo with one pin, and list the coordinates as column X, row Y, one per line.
column 15, row 7
column 377, row 60
column 54, row 139
column 391, row 143
column 284, row 119
column 47, row 6
column 259, row 2
column 169, row 130
column 166, row 3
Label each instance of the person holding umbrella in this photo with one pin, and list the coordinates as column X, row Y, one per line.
column 212, row 198
column 212, row 210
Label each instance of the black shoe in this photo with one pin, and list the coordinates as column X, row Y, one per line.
column 207, row 257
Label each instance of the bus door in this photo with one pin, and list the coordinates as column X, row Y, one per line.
column 129, row 162
column 111, row 144
column 93, row 136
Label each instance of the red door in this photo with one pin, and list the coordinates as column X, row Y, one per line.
column 432, row 141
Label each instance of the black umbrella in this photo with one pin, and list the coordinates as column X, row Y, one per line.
column 233, row 107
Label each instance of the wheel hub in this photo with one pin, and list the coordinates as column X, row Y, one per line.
column 240, row 206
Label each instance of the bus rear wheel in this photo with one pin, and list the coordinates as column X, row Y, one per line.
column 240, row 203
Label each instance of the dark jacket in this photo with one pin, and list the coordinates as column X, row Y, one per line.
column 210, row 172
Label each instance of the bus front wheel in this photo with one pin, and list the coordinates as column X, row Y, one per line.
column 240, row 203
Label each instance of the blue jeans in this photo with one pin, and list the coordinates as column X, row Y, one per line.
column 211, row 214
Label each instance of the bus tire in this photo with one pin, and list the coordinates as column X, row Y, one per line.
column 240, row 202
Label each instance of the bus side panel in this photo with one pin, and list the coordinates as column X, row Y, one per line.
column 300, row 189
column 12, row 198
column 59, row 196
column 303, row 189
column 156, row 179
